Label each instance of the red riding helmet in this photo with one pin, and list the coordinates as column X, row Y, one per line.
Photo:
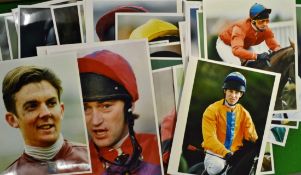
column 107, row 21
column 106, row 75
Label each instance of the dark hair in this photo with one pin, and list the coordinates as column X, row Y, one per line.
column 20, row 76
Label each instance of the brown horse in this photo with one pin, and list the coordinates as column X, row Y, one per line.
column 283, row 62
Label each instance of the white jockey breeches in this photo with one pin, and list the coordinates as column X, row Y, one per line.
column 225, row 52
column 213, row 163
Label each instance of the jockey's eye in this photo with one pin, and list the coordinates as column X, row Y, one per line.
column 261, row 21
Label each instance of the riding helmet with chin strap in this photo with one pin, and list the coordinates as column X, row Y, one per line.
column 105, row 75
column 258, row 11
column 235, row 81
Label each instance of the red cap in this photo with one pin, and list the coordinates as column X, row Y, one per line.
column 108, row 19
column 112, row 66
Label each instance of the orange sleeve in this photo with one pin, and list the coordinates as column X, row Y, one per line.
column 250, row 133
column 271, row 40
column 237, row 44
column 211, row 141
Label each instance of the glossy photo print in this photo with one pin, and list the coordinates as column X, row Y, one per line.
column 171, row 50
column 164, row 91
column 191, row 9
column 12, row 36
column 286, row 123
column 38, row 22
column 257, row 34
column 290, row 116
column 4, row 43
column 217, row 96
column 278, row 135
column 100, row 14
column 156, row 27
column 291, row 149
column 200, row 30
column 43, row 127
column 145, row 25
column 67, row 24
column 268, row 160
column 119, row 72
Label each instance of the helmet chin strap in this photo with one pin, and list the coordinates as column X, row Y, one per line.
column 255, row 26
column 130, row 163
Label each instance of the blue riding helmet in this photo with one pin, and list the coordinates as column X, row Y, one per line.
column 235, row 81
column 258, row 11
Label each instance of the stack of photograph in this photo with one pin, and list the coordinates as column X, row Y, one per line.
column 150, row 87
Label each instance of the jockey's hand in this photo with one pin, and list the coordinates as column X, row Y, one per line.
column 263, row 56
column 228, row 157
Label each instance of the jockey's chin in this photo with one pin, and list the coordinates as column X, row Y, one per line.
column 263, row 28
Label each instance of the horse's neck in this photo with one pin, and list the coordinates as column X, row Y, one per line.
column 282, row 59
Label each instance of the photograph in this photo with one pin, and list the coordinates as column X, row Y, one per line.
column 291, row 149
column 164, row 91
column 178, row 77
column 163, row 62
column 153, row 26
column 291, row 116
column 298, row 14
column 117, row 75
column 82, row 21
column 190, row 10
column 100, row 14
column 172, row 49
column 258, row 34
column 156, row 27
column 220, row 101
column 12, row 36
column 183, row 41
column 200, row 30
column 285, row 122
column 38, row 22
column 168, row 86
column 4, row 45
column 43, row 125
column 268, row 160
column 67, row 23
column 278, row 135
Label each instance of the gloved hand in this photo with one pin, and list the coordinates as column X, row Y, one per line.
column 263, row 56
column 228, row 157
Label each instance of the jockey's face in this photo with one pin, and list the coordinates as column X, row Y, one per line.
column 262, row 24
column 232, row 96
column 106, row 122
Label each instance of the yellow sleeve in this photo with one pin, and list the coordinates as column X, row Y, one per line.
column 250, row 133
column 211, row 141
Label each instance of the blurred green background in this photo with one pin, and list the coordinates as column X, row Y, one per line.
column 207, row 89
